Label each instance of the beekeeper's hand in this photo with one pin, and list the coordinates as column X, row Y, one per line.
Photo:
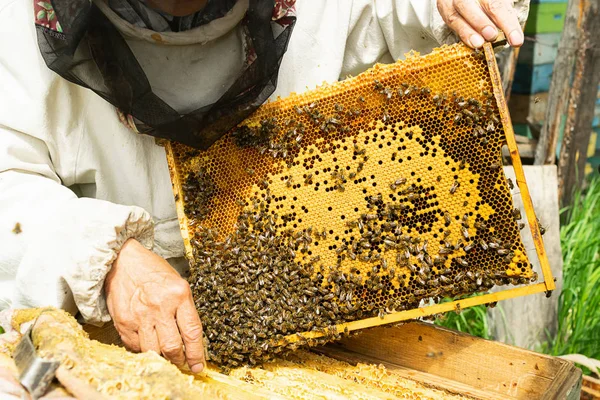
column 152, row 307
column 476, row 21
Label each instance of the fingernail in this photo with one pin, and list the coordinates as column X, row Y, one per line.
column 196, row 369
column 516, row 38
column 476, row 40
column 489, row 32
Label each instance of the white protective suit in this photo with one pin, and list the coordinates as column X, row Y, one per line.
column 80, row 183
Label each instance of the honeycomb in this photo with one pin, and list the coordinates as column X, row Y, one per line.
column 358, row 199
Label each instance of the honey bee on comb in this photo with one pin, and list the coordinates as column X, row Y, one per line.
column 396, row 200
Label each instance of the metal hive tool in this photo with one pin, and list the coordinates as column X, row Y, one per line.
column 350, row 205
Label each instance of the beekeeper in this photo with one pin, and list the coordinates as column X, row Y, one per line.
column 87, row 216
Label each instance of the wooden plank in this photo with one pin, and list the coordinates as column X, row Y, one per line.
column 484, row 365
column 430, row 380
column 572, row 158
column 559, row 88
column 177, row 192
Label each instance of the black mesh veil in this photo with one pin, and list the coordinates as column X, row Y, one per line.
column 91, row 52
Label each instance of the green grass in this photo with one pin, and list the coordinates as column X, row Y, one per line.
column 472, row 320
column 579, row 303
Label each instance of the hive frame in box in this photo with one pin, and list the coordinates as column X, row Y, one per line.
column 546, row 286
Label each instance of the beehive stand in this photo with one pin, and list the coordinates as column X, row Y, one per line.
column 352, row 205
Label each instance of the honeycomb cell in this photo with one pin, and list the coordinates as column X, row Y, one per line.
column 354, row 200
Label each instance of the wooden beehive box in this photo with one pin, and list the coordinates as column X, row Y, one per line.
column 461, row 363
column 435, row 358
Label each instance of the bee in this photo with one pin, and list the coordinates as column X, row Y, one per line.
column 352, row 175
column 480, row 225
column 446, row 250
column 425, row 90
column 446, row 233
column 465, row 220
column 465, row 232
column 516, row 213
column 457, row 118
column 378, row 85
column 469, row 247
column 298, row 110
column 461, row 165
column 412, row 197
column 400, row 181
column 484, row 141
column 542, row 228
column 454, row 186
column 387, row 92
column 495, row 166
column 457, row 308
column 439, row 260
column 361, row 99
column 493, row 245
column 308, row 179
column 338, row 107
column 483, row 244
column 503, row 252
column 478, row 131
column 510, row 183
column 439, row 178
column 447, row 218
column 459, row 276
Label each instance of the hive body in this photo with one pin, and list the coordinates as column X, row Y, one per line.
column 351, row 201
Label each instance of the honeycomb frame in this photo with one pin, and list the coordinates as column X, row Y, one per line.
column 459, row 52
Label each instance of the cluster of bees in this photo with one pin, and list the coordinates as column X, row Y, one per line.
column 198, row 190
column 273, row 275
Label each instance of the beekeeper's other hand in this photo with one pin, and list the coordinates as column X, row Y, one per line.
column 152, row 307
column 476, row 21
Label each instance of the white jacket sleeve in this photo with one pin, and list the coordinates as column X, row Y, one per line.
column 67, row 244
column 398, row 26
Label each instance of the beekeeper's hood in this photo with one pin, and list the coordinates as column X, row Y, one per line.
column 79, row 43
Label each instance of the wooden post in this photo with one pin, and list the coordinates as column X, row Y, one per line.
column 560, row 86
column 509, row 66
column 580, row 113
column 572, row 95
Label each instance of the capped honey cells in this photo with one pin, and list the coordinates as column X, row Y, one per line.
column 354, row 200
